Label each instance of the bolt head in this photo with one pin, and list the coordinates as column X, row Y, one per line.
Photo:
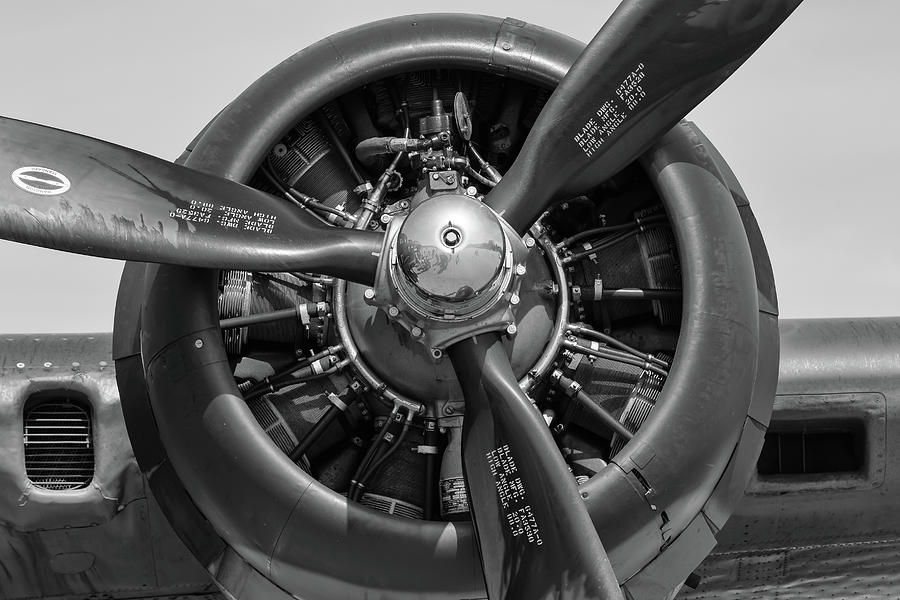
column 369, row 294
column 48, row 364
column 393, row 311
column 451, row 237
column 448, row 410
column 511, row 329
column 20, row 365
column 435, row 176
column 514, row 299
column 507, row 46
column 529, row 241
column 416, row 331
column 198, row 343
column 521, row 270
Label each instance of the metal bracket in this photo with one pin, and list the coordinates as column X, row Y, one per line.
column 512, row 49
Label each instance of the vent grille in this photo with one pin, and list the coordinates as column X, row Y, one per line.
column 59, row 448
column 808, row 452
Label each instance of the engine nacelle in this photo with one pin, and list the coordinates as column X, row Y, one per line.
column 268, row 528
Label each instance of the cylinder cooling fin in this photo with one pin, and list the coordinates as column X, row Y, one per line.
column 300, row 426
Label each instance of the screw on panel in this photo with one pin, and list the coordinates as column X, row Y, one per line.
column 47, row 365
column 198, row 343
column 448, row 410
column 103, row 364
column 507, row 46
column 76, row 366
column 20, row 366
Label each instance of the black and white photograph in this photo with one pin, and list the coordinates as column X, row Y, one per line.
column 501, row 301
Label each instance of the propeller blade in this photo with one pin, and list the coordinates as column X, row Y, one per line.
column 648, row 66
column 69, row 192
column 535, row 535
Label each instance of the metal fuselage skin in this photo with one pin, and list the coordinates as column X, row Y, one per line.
column 822, row 533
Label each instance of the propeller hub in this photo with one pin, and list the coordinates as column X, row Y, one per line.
column 450, row 269
column 450, row 250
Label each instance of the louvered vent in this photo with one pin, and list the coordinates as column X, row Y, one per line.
column 59, row 448
column 810, row 451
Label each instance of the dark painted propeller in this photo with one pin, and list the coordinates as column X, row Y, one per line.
column 70, row 192
column 648, row 66
column 535, row 535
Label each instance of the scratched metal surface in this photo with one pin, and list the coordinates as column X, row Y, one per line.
column 863, row 570
column 108, row 540
column 832, row 537
column 826, row 536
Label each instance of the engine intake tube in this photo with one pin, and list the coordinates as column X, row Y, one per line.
column 380, row 146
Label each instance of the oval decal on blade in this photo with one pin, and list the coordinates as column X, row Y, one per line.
column 41, row 180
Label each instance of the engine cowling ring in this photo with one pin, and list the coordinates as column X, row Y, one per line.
column 260, row 503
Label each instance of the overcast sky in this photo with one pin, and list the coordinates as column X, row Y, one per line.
column 809, row 124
